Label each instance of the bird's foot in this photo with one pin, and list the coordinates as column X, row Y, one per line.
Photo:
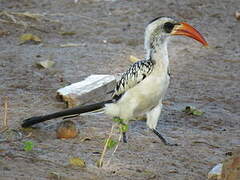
column 163, row 139
column 170, row 144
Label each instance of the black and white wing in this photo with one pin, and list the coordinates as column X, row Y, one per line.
column 134, row 75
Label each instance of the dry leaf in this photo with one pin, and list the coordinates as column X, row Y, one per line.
column 29, row 37
column 68, row 33
column 2, row 150
column 3, row 33
column 46, row 64
column 76, row 161
column 133, row 59
column 193, row 111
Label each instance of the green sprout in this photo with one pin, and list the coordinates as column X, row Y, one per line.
column 111, row 143
column 28, row 145
column 123, row 127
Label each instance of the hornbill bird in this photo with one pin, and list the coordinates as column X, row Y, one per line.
column 142, row 87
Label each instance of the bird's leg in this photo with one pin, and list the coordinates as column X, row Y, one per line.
column 162, row 138
column 123, row 127
column 124, row 137
column 152, row 119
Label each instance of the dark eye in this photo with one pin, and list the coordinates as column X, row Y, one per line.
column 168, row 27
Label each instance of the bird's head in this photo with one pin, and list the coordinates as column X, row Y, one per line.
column 159, row 30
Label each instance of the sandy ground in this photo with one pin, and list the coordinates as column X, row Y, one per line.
column 108, row 31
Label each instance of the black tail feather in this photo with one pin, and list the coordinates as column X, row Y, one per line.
column 77, row 110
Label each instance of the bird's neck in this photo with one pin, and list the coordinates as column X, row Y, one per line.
column 157, row 53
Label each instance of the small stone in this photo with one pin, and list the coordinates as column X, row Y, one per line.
column 237, row 15
column 229, row 169
column 231, row 166
column 215, row 173
column 6, row 169
column 66, row 130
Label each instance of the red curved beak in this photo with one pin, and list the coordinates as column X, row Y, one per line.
column 187, row 30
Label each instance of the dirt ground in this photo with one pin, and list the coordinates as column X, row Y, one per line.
column 108, row 31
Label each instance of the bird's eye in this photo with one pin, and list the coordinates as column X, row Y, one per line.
column 168, row 27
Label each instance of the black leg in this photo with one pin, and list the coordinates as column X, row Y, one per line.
column 124, row 137
column 162, row 138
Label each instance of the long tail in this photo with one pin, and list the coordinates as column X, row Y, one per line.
column 73, row 111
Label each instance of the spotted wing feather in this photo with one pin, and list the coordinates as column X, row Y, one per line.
column 134, row 75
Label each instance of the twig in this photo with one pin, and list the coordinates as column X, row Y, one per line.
column 19, row 138
column 70, row 45
column 9, row 16
column 34, row 16
column 38, row 29
column 3, row 130
column 21, row 23
column 34, row 159
column 5, row 123
column 105, row 146
column 25, row 25
column 13, row 20
column 203, row 142
column 119, row 140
